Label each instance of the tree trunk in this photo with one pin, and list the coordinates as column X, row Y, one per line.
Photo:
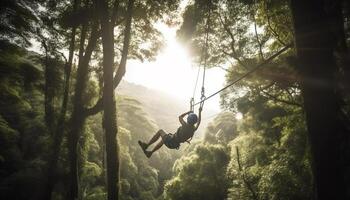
column 109, row 105
column 79, row 114
column 58, row 136
column 48, row 90
column 78, row 119
column 337, row 23
column 315, row 47
column 122, row 66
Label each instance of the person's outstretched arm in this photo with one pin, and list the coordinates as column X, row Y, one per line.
column 199, row 117
column 181, row 117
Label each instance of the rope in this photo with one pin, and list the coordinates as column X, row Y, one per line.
column 194, row 90
column 195, row 85
column 206, row 51
column 205, row 55
column 192, row 104
column 205, row 59
column 246, row 74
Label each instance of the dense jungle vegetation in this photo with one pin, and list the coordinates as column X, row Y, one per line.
column 69, row 125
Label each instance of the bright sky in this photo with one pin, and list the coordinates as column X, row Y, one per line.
column 173, row 73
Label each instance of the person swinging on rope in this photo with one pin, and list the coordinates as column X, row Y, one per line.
column 183, row 134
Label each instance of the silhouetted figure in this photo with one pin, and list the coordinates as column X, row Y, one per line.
column 183, row 134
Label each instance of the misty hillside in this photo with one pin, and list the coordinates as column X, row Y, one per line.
column 163, row 108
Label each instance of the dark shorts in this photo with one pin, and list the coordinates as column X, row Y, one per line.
column 169, row 140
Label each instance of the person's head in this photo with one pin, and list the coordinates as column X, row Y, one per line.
column 192, row 119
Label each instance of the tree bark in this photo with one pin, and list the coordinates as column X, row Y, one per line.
column 48, row 89
column 79, row 113
column 122, row 66
column 336, row 22
column 315, row 47
column 109, row 106
column 58, row 135
column 77, row 119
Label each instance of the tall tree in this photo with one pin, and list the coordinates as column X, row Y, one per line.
column 77, row 119
column 121, row 18
column 60, row 125
column 109, row 104
column 315, row 48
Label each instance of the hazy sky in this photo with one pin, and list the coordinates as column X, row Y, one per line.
column 172, row 72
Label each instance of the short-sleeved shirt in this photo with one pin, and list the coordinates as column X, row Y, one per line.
column 184, row 132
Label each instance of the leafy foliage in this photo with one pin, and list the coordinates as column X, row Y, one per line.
column 274, row 158
column 23, row 134
column 265, row 155
column 200, row 175
column 140, row 178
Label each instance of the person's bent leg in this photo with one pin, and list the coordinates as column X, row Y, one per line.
column 160, row 144
column 155, row 137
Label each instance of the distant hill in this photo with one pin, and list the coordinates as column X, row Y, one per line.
column 162, row 108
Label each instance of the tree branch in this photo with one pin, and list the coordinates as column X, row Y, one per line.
column 236, row 58
column 271, row 29
column 223, row 68
column 82, row 42
column 122, row 66
column 115, row 12
column 276, row 99
column 232, row 43
column 257, row 38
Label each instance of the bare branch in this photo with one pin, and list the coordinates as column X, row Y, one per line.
column 276, row 99
column 261, row 55
column 236, row 58
column 232, row 43
column 277, row 36
column 223, row 68
column 62, row 55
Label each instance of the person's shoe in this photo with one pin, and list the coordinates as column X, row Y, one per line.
column 148, row 153
column 143, row 145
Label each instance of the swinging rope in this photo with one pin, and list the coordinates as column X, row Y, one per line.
column 206, row 50
column 203, row 97
column 246, row 74
column 205, row 59
column 205, row 53
column 194, row 90
column 195, row 86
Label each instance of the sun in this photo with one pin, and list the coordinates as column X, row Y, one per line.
column 173, row 71
column 239, row 116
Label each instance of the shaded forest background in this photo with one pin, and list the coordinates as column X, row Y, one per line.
column 69, row 126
